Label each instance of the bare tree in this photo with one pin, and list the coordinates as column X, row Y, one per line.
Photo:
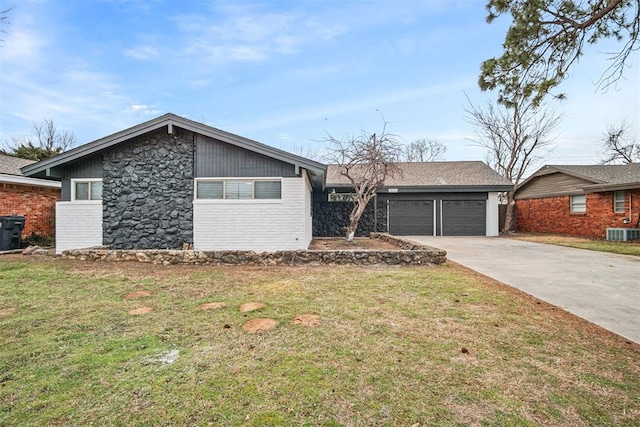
column 424, row 150
column 4, row 19
column 619, row 146
column 45, row 141
column 365, row 161
column 515, row 136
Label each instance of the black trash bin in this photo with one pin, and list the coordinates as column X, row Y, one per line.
column 11, row 232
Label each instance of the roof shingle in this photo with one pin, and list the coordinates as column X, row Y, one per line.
column 10, row 165
column 599, row 174
column 432, row 174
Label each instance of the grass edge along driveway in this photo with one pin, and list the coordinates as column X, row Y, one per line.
column 394, row 346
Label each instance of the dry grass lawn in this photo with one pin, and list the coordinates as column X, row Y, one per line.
column 392, row 346
column 622, row 248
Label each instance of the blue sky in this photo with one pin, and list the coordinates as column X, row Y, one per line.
column 284, row 73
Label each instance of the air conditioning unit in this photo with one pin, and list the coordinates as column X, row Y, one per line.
column 623, row 234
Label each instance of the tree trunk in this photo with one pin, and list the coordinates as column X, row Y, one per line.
column 507, row 227
column 358, row 209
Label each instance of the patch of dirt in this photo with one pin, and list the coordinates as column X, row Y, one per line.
column 140, row 310
column 548, row 238
column 251, row 306
column 306, row 320
column 254, row 326
column 137, row 294
column 359, row 243
column 7, row 311
column 211, row 306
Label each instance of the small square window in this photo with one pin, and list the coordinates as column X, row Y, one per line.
column 579, row 204
column 82, row 191
column 87, row 190
column 210, row 190
column 267, row 189
column 618, row 201
column 238, row 190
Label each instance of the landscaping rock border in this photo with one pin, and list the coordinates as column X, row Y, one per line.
column 409, row 253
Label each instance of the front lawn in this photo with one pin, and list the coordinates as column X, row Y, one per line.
column 423, row 346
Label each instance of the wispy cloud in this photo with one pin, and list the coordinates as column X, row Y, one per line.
column 143, row 52
column 244, row 32
column 145, row 110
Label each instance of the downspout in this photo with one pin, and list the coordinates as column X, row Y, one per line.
column 631, row 210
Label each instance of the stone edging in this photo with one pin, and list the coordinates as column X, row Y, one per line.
column 418, row 255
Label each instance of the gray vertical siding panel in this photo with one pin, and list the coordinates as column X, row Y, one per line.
column 91, row 168
column 219, row 159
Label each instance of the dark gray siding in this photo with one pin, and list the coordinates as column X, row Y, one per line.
column 555, row 184
column 219, row 159
column 91, row 168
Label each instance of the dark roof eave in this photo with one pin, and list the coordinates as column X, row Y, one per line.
column 433, row 188
column 611, row 187
column 172, row 120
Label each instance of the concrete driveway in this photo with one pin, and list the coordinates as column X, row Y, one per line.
column 599, row 287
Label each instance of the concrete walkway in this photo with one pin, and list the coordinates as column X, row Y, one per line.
column 600, row 287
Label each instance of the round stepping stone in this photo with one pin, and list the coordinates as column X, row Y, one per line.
column 306, row 320
column 140, row 310
column 251, row 306
column 211, row 306
column 254, row 326
column 137, row 294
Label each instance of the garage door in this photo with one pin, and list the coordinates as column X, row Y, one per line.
column 464, row 217
column 411, row 217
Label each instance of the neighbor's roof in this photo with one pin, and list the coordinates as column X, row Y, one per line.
column 602, row 177
column 11, row 165
column 10, row 173
column 169, row 121
column 436, row 176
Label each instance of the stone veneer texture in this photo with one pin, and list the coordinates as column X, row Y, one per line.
column 148, row 193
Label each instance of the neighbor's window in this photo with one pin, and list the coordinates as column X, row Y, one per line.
column 238, row 189
column 90, row 189
column 618, row 201
column 579, row 204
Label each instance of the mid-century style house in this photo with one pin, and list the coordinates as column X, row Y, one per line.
column 582, row 200
column 172, row 181
column 31, row 198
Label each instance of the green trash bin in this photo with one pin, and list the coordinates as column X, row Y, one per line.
column 11, row 232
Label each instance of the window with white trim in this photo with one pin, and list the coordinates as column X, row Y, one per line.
column 86, row 189
column 618, row 201
column 579, row 204
column 237, row 189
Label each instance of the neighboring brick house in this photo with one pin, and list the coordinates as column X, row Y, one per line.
column 32, row 198
column 581, row 200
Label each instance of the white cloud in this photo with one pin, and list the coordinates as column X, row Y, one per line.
column 142, row 53
column 145, row 110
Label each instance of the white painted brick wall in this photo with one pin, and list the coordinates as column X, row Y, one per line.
column 308, row 209
column 493, row 215
column 258, row 225
column 78, row 225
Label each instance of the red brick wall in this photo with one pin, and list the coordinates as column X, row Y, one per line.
column 37, row 204
column 552, row 215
